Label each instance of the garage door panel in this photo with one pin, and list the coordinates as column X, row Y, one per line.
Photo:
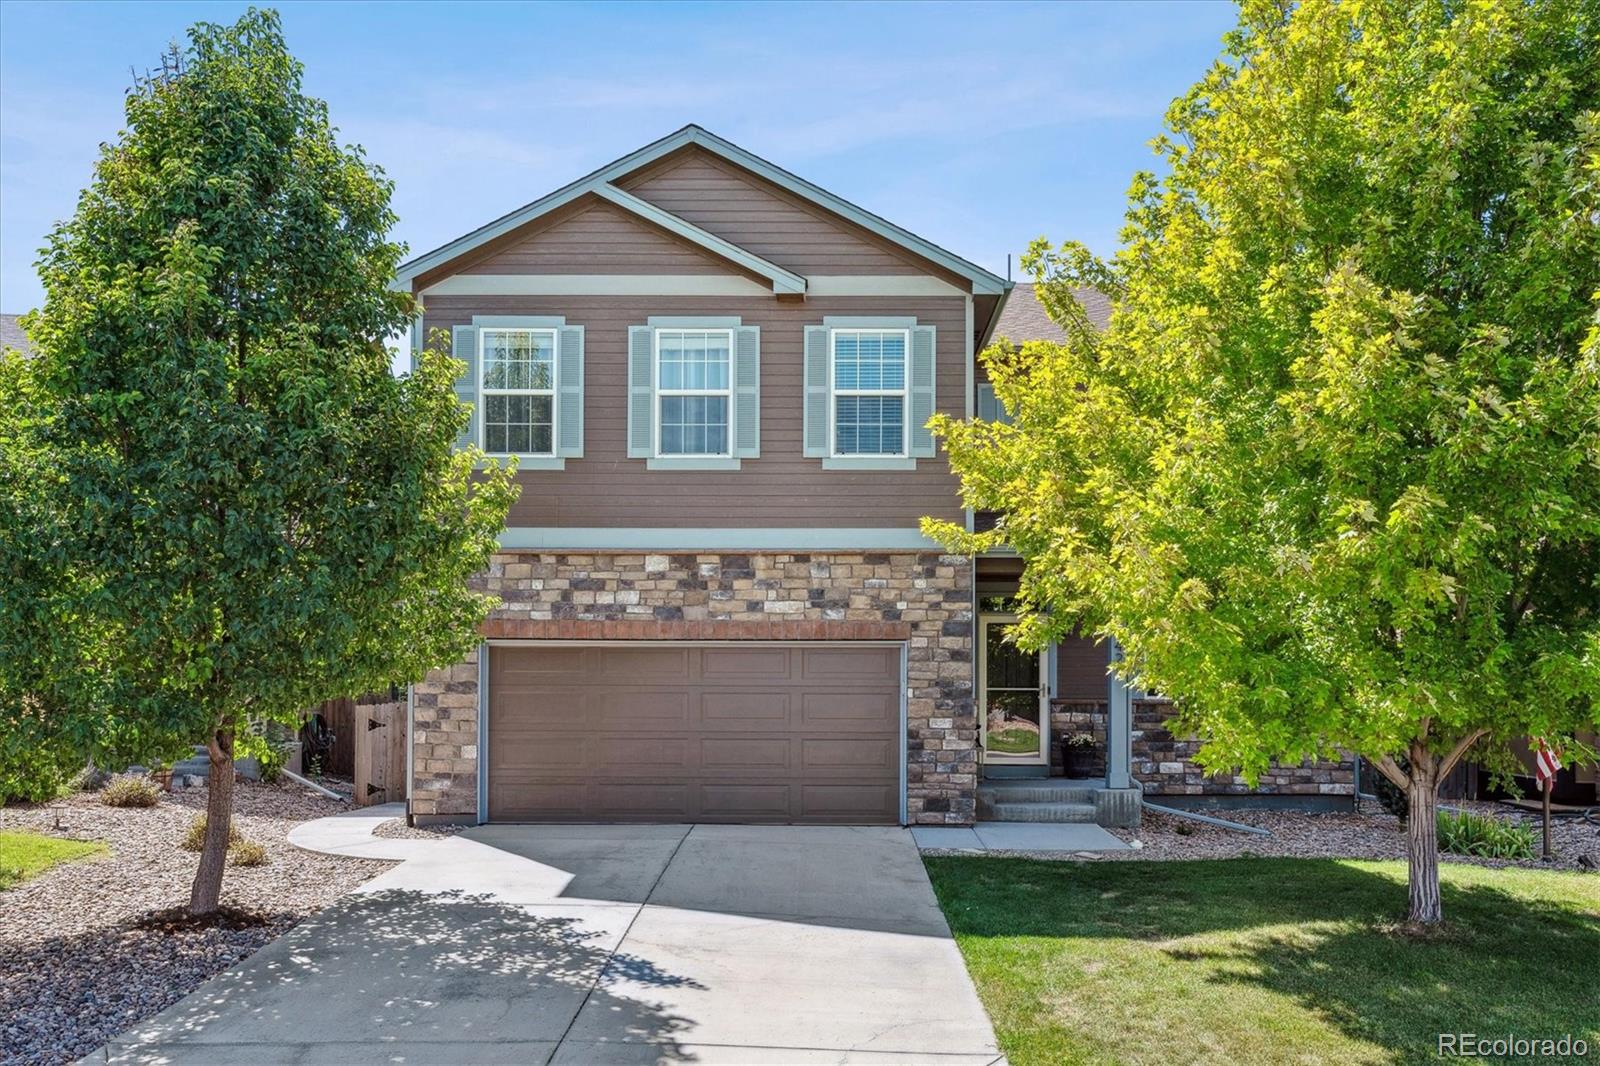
column 630, row 755
column 753, row 802
column 769, row 664
column 642, row 801
column 719, row 733
column 745, row 710
column 552, row 663
column 554, row 801
column 523, row 750
column 835, row 663
column 842, row 803
column 745, row 755
column 819, row 755
column 664, row 663
column 869, row 711
column 633, row 707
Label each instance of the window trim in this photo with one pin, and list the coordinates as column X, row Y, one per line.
column 657, row 392
column 554, row 333
column 834, row 392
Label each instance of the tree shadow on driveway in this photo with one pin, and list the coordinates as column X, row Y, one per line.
column 454, row 975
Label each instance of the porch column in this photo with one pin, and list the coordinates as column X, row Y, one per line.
column 1119, row 724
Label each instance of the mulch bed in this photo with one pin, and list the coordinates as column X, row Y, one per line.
column 91, row 948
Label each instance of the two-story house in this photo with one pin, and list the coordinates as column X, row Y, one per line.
column 717, row 602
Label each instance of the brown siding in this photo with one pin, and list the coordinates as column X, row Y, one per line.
column 782, row 488
column 1080, row 670
column 599, row 239
column 760, row 217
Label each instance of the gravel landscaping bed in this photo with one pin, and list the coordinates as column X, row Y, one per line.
column 397, row 829
column 86, row 950
column 1372, row 834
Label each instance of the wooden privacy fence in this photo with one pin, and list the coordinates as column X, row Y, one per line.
column 369, row 746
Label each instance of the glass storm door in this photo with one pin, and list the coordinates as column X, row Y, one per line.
column 1011, row 691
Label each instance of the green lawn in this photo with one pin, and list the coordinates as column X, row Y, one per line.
column 1267, row 960
column 25, row 855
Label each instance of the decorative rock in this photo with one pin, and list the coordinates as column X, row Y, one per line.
column 77, row 966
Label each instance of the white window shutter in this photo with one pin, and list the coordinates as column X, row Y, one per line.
column 569, row 392
column 922, row 390
column 464, row 346
column 641, row 393
column 818, row 390
column 747, row 392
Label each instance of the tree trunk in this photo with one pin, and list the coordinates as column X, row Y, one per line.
column 207, row 889
column 1422, row 840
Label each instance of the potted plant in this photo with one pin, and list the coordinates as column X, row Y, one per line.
column 1077, row 750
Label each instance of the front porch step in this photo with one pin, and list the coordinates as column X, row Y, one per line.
column 1036, row 812
column 1041, row 790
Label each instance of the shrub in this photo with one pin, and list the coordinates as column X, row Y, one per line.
column 34, row 773
column 195, row 838
column 1465, row 833
column 246, row 853
column 130, row 790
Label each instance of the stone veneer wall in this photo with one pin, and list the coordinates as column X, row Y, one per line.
column 923, row 598
column 1164, row 764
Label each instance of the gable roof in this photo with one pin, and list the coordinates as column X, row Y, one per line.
column 1024, row 318
column 783, row 281
column 11, row 335
column 600, row 183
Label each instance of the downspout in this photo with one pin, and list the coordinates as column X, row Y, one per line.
column 1222, row 823
column 411, row 745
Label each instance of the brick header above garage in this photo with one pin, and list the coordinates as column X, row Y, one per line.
column 703, row 629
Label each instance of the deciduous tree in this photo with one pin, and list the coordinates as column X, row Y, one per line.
column 243, row 510
column 1331, row 476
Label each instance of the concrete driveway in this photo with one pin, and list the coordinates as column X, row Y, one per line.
column 600, row 944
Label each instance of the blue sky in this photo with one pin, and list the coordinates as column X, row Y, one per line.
column 976, row 126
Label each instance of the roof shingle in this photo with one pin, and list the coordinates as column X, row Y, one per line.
column 11, row 335
column 1025, row 319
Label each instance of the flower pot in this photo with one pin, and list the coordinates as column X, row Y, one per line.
column 1076, row 759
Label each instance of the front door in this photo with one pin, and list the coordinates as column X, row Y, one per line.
column 1011, row 691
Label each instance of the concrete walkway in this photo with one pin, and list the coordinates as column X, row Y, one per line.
column 1034, row 837
column 583, row 944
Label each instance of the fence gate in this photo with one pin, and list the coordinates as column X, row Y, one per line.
column 369, row 747
column 379, row 732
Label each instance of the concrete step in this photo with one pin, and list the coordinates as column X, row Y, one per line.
column 1037, row 791
column 1037, row 812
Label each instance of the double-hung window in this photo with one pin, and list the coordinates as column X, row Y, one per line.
column 517, row 390
column 693, row 392
column 868, row 372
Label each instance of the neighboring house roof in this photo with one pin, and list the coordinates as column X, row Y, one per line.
column 1024, row 318
column 11, row 335
column 600, row 183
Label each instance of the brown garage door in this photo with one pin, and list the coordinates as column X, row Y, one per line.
column 695, row 733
